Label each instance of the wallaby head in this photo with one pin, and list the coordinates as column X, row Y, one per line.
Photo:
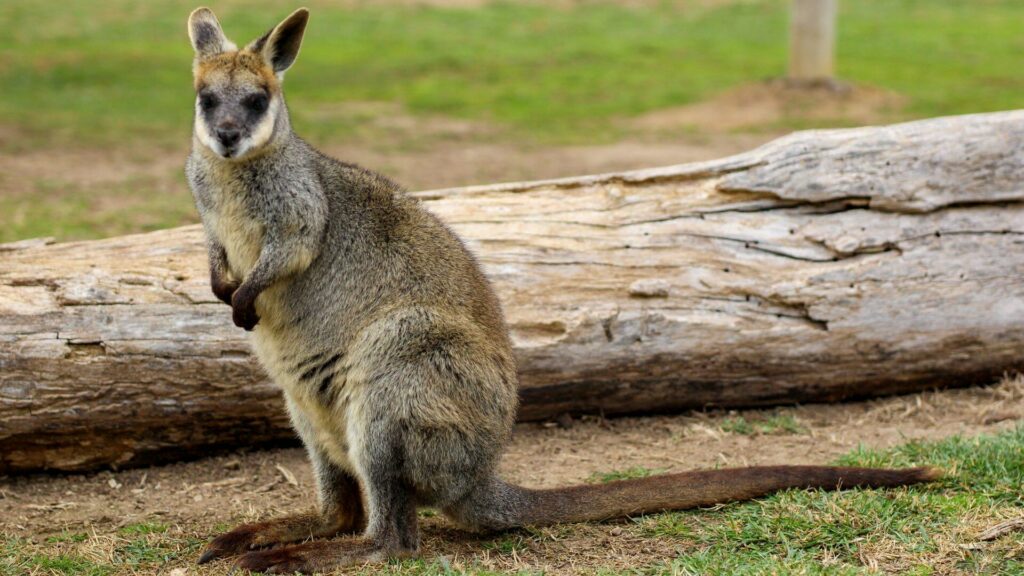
column 239, row 103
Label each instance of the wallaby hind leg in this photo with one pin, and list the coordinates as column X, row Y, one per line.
column 391, row 531
column 341, row 511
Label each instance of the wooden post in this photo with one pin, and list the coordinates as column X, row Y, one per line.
column 812, row 40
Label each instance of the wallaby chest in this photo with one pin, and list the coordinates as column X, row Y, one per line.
column 321, row 422
column 237, row 227
column 229, row 211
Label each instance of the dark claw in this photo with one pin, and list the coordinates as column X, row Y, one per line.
column 210, row 554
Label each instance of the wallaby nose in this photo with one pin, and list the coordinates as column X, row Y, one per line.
column 228, row 136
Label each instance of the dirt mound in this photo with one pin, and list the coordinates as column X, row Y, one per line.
column 777, row 105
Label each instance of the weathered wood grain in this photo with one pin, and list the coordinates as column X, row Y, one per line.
column 822, row 266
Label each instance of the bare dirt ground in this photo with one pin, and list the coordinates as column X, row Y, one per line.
column 771, row 105
column 199, row 499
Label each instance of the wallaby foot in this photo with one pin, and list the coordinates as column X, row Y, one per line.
column 249, row 537
column 392, row 530
column 314, row 557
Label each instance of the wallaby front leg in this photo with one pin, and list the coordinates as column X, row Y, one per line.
column 221, row 281
column 277, row 260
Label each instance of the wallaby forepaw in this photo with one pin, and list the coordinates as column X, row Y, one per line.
column 245, row 318
column 224, row 290
column 243, row 310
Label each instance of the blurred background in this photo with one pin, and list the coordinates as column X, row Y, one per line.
column 96, row 98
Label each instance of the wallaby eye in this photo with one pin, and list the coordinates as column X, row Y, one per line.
column 208, row 101
column 256, row 103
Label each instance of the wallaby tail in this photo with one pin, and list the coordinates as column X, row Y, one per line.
column 497, row 505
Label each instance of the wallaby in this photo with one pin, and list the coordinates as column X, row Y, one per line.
column 388, row 342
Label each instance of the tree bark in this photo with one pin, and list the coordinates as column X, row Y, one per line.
column 823, row 266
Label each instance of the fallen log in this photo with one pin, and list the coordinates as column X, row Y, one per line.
column 823, row 266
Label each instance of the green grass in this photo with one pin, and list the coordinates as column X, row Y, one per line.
column 916, row 528
column 116, row 75
column 142, row 529
column 634, row 472
column 139, row 548
column 70, row 210
column 70, row 565
column 117, row 72
column 949, row 56
column 773, row 424
column 143, row 551
column 507, row 544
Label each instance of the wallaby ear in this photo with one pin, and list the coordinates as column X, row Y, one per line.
column 280, row 46
column 206, row 34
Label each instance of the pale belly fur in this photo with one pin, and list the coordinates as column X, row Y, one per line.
column 241, row 239
column 333, row 429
